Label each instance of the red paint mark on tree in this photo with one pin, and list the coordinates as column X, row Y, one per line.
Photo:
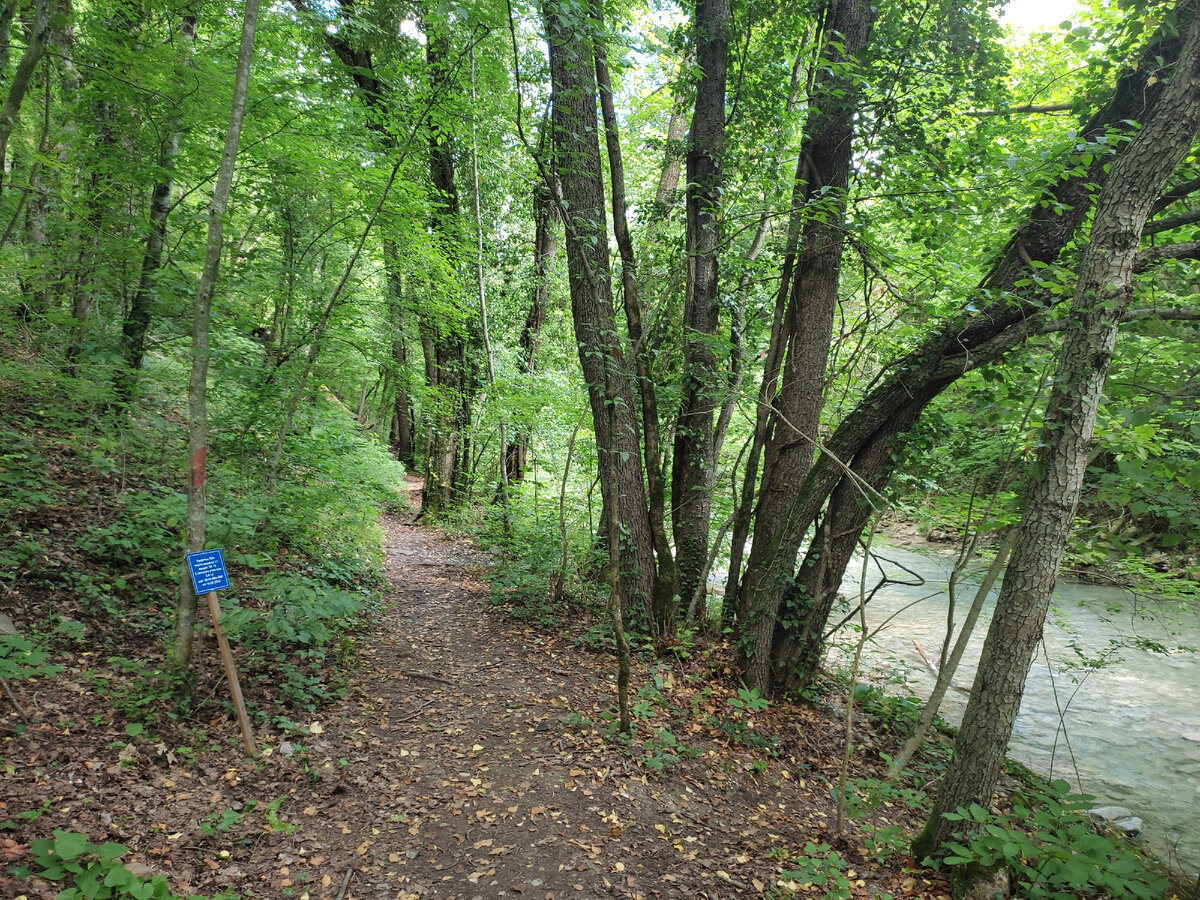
column 198, row 467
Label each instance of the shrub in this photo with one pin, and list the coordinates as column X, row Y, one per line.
column 1052, row 850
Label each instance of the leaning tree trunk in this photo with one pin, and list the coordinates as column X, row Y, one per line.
column 577, row 164
column 39, row 32
column 185, row 609
column 994, row 320
column 1102, row 294
column 693, row 467
column 824, row 169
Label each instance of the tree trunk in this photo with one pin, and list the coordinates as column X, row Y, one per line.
column 665, row 589
column 744, row 501
column 824, row 169
column 449, row 402
column 137, row 322
column 992, row 322
column 545, row 246
column 577, row 161
column 402, row 422
column 1102, row 294
column 693, row 467
column 38, row 34
column 185, row 609
column 673, row 154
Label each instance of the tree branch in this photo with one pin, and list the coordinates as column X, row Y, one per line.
column 1148, row 259
column 1034, row 326
column 1175, row 194
column 1158, row 226
column 1026, row 109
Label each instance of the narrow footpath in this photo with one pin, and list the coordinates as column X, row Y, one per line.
column 463, row 769
column 469, row 759
column 461, row 777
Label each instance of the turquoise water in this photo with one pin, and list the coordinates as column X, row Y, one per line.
column 1127, row 731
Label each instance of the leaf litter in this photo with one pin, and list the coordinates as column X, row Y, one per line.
column 469, row 759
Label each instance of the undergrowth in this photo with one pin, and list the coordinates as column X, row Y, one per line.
column 91, row 523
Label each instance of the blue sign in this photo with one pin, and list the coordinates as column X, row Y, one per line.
column 208, row 571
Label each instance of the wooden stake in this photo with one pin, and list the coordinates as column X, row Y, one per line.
column 231, row 675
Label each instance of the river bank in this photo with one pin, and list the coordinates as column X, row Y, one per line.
column 1112, row 704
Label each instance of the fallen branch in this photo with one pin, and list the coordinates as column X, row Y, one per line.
column 421, row 675
column 12, row 698
column 415, row 712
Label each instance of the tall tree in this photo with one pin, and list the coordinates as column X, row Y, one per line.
column 863, row 449
column 359, row 63
column 37, row 35
column 1102, row 294
column 569, row 32
column 694, row 462
column 445, row 335
column 137, row 321
column 809, row 282
column 185, row 611
column 546, row 221
column 665, row 589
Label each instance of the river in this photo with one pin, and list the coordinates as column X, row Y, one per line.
column 1126, row 732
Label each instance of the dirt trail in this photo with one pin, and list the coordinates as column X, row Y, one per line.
column 468, row 759
column 459, row 776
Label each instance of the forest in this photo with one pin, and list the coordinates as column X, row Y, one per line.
column 676, row 311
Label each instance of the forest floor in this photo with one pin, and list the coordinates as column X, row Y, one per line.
column 470, row 758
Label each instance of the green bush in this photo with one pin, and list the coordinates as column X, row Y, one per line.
column 1052, row 849
column 94, row 871
column 20, row 658
column 291, row 627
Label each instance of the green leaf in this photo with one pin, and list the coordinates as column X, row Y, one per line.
column 68, row 844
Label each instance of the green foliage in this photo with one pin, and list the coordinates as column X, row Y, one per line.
column 1052, row 849
column 139, row 690
column 819, row 868
column 738, row 726
column 888, row 712
column 221, row 822
column 20, row 658
column 868, row 800
column 94, row 871
column 19, row 820
column 293, row 630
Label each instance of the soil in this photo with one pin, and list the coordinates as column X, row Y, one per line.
column 470, row 758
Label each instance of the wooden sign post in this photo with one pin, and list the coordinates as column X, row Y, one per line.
column 208, row 577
